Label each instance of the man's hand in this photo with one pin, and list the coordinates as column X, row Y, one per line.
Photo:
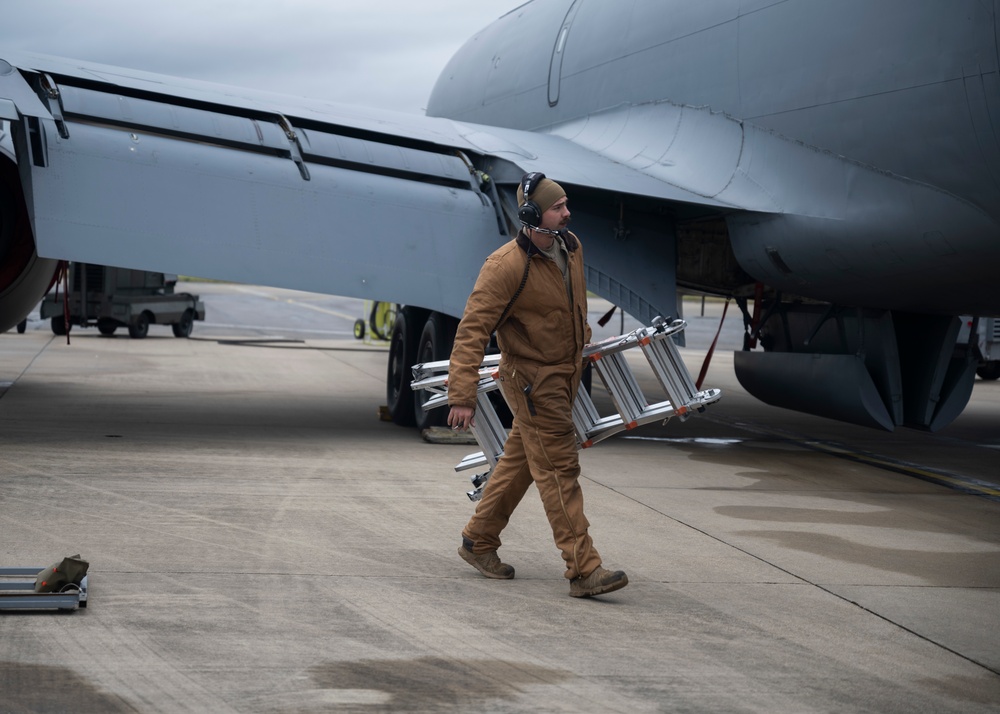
column 461, row 418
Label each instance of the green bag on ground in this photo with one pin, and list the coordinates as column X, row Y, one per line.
column 55, row 577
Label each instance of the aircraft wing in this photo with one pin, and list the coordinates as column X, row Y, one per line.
column 137, row 170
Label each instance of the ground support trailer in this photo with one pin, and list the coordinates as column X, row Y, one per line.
column 116, row 297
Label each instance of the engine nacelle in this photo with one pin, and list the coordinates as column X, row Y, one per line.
column 24, row 277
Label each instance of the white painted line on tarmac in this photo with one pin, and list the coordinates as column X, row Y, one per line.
column 222, row 325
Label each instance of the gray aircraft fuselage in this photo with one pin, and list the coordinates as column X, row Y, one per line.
column 907, row 88
column 903, row 86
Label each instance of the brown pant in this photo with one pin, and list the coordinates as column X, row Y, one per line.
column 541, row 447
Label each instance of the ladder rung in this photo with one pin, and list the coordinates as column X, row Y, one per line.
column 472, row 461
column 614, row 371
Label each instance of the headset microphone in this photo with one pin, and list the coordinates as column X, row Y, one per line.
column 561, row 232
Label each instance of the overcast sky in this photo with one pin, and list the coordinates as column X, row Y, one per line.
column 375, row 53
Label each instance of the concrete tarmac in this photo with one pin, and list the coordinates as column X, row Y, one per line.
column 261, row 542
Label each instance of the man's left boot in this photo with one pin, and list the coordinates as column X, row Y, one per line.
column 486, row 563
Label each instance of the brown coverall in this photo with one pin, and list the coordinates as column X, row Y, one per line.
column 541, row 344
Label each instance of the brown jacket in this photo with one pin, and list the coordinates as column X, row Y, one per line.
column 542, row 327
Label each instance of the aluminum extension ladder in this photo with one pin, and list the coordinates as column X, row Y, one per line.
column 20, row 594
column 609, row 361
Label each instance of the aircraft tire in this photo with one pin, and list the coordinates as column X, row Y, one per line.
column 434, row 345
column 402, row 354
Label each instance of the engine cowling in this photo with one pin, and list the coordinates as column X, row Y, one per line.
column 876, row 368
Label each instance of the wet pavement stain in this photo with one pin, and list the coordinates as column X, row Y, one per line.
column 434, row 684
column 880, row 517
column 40, row 689
column 944, row 569
column 975, row 690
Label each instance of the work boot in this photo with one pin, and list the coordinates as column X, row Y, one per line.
column 486, row 563
column 598, row 582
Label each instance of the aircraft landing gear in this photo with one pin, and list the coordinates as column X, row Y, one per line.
column 434, row 345
column 402, row 357
column 417, row 336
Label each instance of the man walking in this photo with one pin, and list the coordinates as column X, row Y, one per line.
column 532, row 292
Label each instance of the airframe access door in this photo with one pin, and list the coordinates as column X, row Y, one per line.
column 558, row 52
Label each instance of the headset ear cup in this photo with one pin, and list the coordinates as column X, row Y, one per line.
column 529, row 214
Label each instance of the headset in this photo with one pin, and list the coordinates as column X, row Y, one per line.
column 529, row 213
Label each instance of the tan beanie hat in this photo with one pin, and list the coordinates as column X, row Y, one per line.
column 547, row 193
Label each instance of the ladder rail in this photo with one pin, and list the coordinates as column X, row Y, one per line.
column 20, row 594
column 609, row 359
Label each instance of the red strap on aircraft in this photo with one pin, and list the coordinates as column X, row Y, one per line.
column 65, row 275
column 708, row 357
column 607, row 316
column 758, row 296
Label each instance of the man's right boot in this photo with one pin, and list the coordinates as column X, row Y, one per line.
column 486, row 563
column 597, row 583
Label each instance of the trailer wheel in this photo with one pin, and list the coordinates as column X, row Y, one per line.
column 59, row 325
column 989, row 370
column 186, row 324
column 107, row 327
column 139, row 327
